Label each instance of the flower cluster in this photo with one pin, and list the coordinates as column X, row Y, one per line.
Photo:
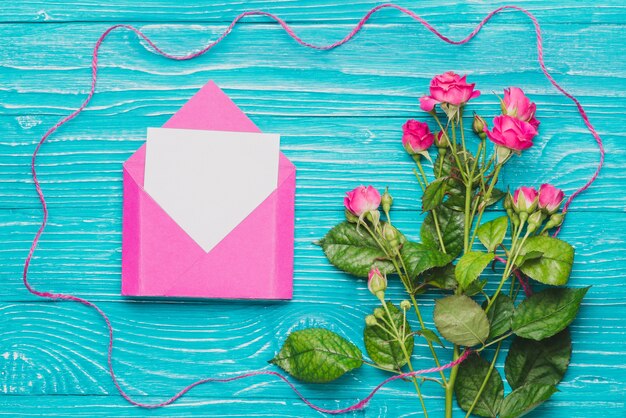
column 472, row 315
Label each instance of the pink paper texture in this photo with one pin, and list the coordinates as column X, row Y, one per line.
column 254, row 261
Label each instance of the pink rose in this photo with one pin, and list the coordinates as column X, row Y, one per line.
column 416, row 136
column 511, row 133
column 448, row 88
column 518, row 105
column 525, row 199
column 362, row 200
column 376, row 281
column 550, row 198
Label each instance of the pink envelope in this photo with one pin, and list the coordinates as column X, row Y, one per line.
column 254, row 261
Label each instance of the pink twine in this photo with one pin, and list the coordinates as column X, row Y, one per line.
column 292, row 34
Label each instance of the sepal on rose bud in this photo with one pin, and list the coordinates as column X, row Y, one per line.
column 525, row 200
column 441, row 140
column 351, row 217
column 371, row 321
column 535, row 220
column 377, row 283
column 391, row 235
column 379, row 313
column 386, row 201
column 556, row 220
column 478, row 126
column 550, row 198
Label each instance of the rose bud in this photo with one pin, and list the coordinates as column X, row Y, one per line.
column 518, row 105
column 371, row 321
column 525, row 200
column 511, row 133
column 478, row 126
column 391, row 235
column 535, row 220
column 377, row 283
column 448, row 88
column 386, row 200
column 379, row 313
column 556, row 219
column 362, row 200
column 441, row 140
column 416, row 137
column 550, row 198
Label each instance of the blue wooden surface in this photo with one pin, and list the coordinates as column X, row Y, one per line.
column 339, row 114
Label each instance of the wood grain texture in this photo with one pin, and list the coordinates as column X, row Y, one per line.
column 339, row 114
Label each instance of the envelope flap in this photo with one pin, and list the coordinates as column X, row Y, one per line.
column 211, row 109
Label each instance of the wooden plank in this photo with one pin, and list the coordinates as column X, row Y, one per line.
column 81, row 250
column 363, row 77
column 81, row 165
column 291, row 10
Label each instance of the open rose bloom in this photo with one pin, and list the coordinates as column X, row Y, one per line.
column 448, row 88
column 416, row 137
column 511, row 133
column 518, row 105
column 362, row 200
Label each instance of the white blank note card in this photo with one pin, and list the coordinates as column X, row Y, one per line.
column 209, row 181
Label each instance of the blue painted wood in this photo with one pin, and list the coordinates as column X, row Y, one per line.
column 339, row 114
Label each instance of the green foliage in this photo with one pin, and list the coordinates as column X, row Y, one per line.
column 434, row 194
column 500, row 315
column 353, row 251
column 418, row 258
column 461, row 321
column 451, row 226
column 546, row 313
column 524, row 399
column 543, row 362
column 430, row 336
column 470, row 266
column 441, row 277
column 492, row 233
column 317, row 355
column 472, row 373
column 554, row 265
column 382, row 347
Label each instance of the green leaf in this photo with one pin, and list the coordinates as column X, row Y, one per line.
column 317, row 355
column 434, row 194
column 500, row 315
column 451, row 226
column 470, row 266
column 461, row 321
column 472, row 373
column 430, row 336
column 492, row 233
column 496, row 195
column 353, row 251
column 441, row 277
column 418, row 258
column 546, row 313
column 382, row 348
column 531, row 255
column 524, row 399
column 543, row 362
column 554, row 266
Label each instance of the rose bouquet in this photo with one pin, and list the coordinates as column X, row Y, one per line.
column 456, row 249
